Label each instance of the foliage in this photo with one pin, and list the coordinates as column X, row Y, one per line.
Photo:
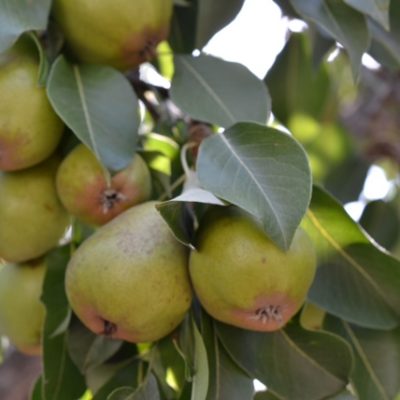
column 291, row 149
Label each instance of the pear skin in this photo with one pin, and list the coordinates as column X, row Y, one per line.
column 120, row 33
column 84, row 192
column 242, row 278
column 32, row 218
column 129, row 280
column 29, row 128
column 21, row 310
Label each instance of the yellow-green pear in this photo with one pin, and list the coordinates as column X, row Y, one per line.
column 120, row 33
column 32, row 218
column 242, row 278
column 29, row 128
column 83, row 189
column 129, row 280
column 21, row 310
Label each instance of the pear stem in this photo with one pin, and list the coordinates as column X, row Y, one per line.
column 183, row 155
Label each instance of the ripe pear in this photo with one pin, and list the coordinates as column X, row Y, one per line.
column 83, row 189
column 29, row 128
column 32, row 219
column 120, row 33
column 242, row 278
column 21, row 310
column 129, row 280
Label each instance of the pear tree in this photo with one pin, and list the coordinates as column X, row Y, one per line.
column 175, row 227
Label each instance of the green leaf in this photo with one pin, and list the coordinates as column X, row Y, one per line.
column 376, row 9
column 376, row 373
column 292, row 362
column 385, row 45
column 342, row 22
column 36, row 393
column 147, row 391
column 58, row 369
column 227, row 380
column 261, row 170
column 214, row 15
column 99, row 106
column 345, row 395
column 196, row 22
column 268, row 395
column 88, row 349
column 355, row 280
column 126, row 376
column 294, row 84
column 220, row 92
column 200, row 378
column 123, row 393
column 178, row 214
column 19, row 16
column 382, row 221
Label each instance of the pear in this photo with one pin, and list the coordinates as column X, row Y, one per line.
column 29, row 128
column 242, row 278
column 32, row 218
column 120, row 33
column 21, row 310
column 129, row 280
column 83, row 189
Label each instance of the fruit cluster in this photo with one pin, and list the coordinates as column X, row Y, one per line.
column 131, row 279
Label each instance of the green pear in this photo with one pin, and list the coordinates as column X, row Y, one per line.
column 29, row 128
column 21, row 310
column 120, row 33
column 32, row 218
column 242, row 278
column 129, row 280
column 83, row 189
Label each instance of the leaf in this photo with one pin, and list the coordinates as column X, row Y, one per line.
column 342, row 22
column 355, row 280
column 292, row 362
column 227, row 380
column 58, row 369
column 19, row 16
column 262, row 170
column 382, row 221
column 385, row 45
column 87, row 349
column 376, row 9
column 36, row 393
column 98, row 104
column 267, row 395
column 213, row 16
column 376, row 373
column 345, row 395
column 294, row 84
column 220, row 92
column 146, row 391
column 126, row 376
column 178, row 215
column 200, row 377
column 193, row 25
